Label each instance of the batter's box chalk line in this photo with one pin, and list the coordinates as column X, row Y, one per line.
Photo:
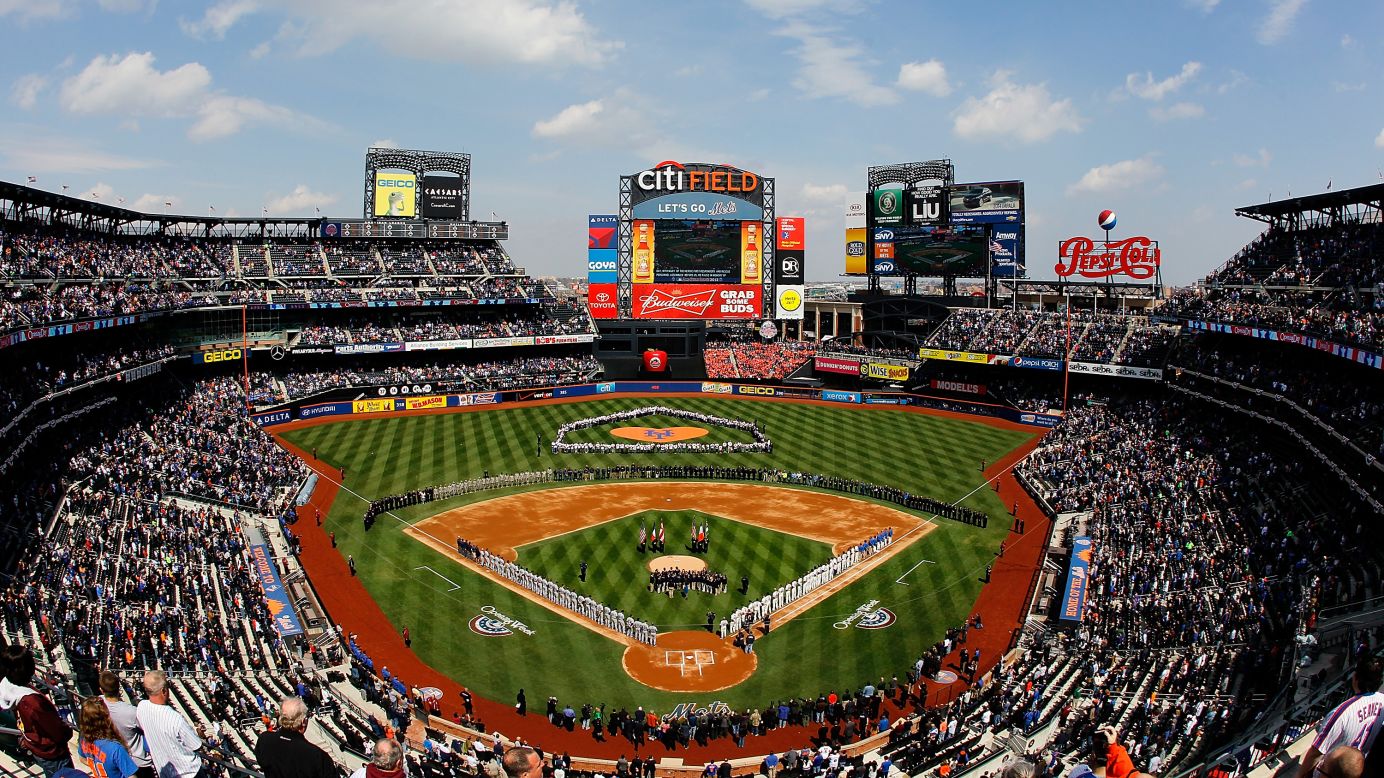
column 689, row 662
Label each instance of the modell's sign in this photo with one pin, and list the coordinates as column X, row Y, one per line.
column 1136, row 257
column 670, row 176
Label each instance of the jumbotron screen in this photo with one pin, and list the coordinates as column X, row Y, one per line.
column 955, row 250
column 696, row 251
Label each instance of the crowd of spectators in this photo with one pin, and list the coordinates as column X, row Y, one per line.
column 59, row 371
column 1311, row 313
column 756, row 359
column 1095, row 337
column 443, row 375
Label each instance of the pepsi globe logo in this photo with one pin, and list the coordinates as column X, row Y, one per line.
column 878, row 620
column 489, row 626
column 1106, row 219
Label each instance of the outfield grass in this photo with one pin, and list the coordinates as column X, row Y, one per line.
column 924, row 454
column 617, row 573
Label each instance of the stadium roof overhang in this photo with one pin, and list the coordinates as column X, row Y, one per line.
column 1324, row 206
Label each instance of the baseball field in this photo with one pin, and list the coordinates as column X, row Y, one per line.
column 475, row 629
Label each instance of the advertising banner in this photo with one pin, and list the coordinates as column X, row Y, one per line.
column 430, row 401
column 275, row 596
column 601, row 230
column 928, row 206
column 1137, row 257
column 855, row 251
column 217, row 356
column 602, row 301
column 522, row 340
column 992, row 202
column 884, row 263
column 643, row 256
column 834, row 396
column 323, row 409
column 272, row 418
column 698, row 205
column 554, row 340
column 368, row 348
column 396, row 194
column 752, row 254
column 438, row 345
column 953, row 356
column 482, row 398
column 1005, row 259
column 886, row 205
column 788, row 302
column 600, row 266
column 788, row 267
column 884, row 372
column 712, row 387
column 1078, row 568
column 1118, row 371
column 790, row 234
column 855, row 211
column 697, row 301
column 372, row 405
column 442, row 198
column 956, row 386
column 837, row 366
column 1035, row 363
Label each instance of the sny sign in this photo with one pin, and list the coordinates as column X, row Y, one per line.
column 1137, row 257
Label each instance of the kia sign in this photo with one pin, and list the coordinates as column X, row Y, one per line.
column 1137, row 257
column 697, row 301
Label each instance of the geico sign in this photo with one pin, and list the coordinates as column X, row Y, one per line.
column 397, row 183
column 224, row 355
column 763, row 391
column 670, row 176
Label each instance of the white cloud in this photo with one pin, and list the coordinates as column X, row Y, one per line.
column 778, row 9
column 32, row 10
column 1347, row 42
column 1248, row 183
column 299, row 201
column 825, row 193
column 24, row 91
column 384, row 143
column 687, row 71
column 1342, row 87
column 1145, row 87
column 832, row 68
column 126, row 6
column 260, row 51
column 1279, row 22
column 1262, row 159
column 1023, row 112
column 535, row 32
column 1125, row 174
column 573, row 120
column 623, row 120
column 131, row 86
column 1177, row 111
column 35, row 153
column 1205, row 6
column 1379, row 140
column 99, row 192
column 154, row 203
column 1236, row 79
column 929, row 77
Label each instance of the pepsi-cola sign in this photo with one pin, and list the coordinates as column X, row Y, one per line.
column 1137, row 257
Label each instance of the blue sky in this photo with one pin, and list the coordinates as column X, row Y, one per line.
column 1170, row 112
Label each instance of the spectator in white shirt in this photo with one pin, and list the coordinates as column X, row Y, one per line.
column 173, row 742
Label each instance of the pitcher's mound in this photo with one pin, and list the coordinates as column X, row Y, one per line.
column 691, row 661
column 660, row 434
column 677, row 562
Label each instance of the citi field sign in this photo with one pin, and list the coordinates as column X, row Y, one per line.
column 668, row 177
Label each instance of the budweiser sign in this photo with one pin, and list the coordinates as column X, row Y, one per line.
column 1136, row 257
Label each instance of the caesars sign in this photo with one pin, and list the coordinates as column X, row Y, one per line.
column 396, row 194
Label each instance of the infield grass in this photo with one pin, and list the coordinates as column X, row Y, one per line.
column 931, row 455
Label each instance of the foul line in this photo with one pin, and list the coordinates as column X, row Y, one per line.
column 455, row 585
column 899, row 580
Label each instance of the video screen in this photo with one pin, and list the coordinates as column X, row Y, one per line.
column 696, row 251
column 942, row 251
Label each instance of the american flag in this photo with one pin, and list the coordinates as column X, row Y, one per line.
column 996, row 247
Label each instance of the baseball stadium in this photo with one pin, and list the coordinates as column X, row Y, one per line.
column 382, row 493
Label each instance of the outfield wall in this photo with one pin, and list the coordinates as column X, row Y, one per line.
column 387, row 399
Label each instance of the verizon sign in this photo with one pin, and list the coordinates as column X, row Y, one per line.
column 696, row 301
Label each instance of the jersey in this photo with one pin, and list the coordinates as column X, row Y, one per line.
column 107, row 759
column 1351, row 724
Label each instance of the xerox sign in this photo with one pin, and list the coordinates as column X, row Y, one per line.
column 697, row 301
